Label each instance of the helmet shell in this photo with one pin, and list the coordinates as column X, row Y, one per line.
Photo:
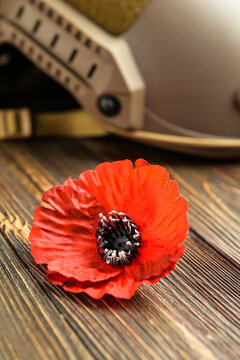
column 189, row 55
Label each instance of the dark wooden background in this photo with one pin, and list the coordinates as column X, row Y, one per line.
column 191, row 314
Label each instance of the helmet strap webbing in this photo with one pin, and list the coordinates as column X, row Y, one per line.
column 21, row 123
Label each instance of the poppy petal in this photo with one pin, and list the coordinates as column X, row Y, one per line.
column 141, row 163
column 89, row 271
column 160, row 246
column 153, row 203
column 71, row 182
column 143, row 193
column 56, row 278
column 170, row 268
column 64, row 236
column 120, row 286
column 145, row 268
column 106, row 182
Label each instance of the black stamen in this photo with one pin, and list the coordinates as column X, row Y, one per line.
column 117, row 238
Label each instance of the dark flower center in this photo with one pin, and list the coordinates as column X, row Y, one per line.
column 117, row 238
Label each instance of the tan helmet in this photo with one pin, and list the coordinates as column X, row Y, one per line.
column 160, row 72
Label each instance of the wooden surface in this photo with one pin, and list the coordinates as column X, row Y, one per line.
column 191, row 314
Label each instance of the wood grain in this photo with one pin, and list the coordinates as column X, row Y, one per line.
column 191, row 314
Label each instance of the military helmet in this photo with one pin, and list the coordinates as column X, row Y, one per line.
column 159, row 72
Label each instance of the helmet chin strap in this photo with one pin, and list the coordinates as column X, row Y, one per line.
column 165, row 139
column 21, row 123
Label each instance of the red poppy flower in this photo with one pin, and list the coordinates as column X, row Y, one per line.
column 116, row 228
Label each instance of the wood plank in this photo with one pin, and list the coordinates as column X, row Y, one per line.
column 191, row 314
